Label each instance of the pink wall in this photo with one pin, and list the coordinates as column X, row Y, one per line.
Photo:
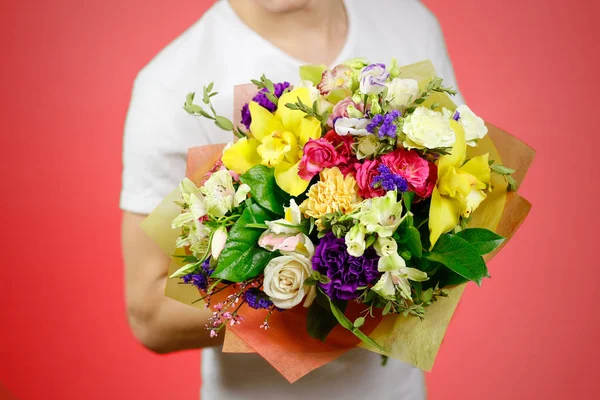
column 530, row 67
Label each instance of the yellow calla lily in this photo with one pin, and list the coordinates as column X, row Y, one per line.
column 460, row 187
column 276, row 141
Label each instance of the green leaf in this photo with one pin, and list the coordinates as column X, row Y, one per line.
column 320, row 320
column 345, row 322
column 264, row 188
column 407, row 198
column 312, row 73
column 459, row 256
column 242, row 258
column 387, row 308
column 412, row 240
column 483, row 240
column 223, row 123
column 502, row 170
column 209, row 88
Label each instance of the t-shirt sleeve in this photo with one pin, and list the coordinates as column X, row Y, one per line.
column 438, row 52
column 154, row 146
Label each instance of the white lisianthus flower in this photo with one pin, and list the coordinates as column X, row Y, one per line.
column 428, row 129
column 402, row 92
column 473, row 125
column 355, row 240
column 351, row 126
column 219, row 194
column 385, row 246
column 284, row 281
column 373, row 78
column 395, row 276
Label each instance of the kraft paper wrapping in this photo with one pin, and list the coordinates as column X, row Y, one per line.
column 287, row 346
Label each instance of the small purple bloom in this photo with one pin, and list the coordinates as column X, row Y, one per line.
column 262, row 99
column 456, row 116
column 257, row 299
column 200, row 279
column 389, row 181
column 384, row 125
column 346, row 273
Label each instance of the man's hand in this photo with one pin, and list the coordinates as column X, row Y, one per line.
column 161, row 324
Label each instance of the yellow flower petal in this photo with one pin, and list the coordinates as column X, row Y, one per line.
column 443, row 215
column 479, row 168
column 459, row 150
column 309, row 128
column 241, row 156
column 286, row 176
column 453, row 183
column 273, row 149
column 291, row 118
column 295, row 152
column 263, row 122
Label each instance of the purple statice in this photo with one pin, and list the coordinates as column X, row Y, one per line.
column 456, row 116
column 200, row 278
column 257, row 299
column 346, row 273
column 389, row 180
column 375, row 122
column 384, row 125
column 262, row 100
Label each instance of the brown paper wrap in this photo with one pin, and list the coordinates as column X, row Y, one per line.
column 287, row 346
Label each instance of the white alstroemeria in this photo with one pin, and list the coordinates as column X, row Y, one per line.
column 355, row 240
column 195, row 209
column 351, row 126
column 217, row 243
column 381, row 215
column 219, row 193
column 396, row 276
column 187, row 187
column 473, row 125
column 285, row 235
column 385, row 246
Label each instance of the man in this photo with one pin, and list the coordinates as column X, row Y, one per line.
column 235, row 41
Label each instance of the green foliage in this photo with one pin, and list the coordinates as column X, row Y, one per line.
column 220, row 121
column 264, row 189
column 242, row 258
column 320, row 320
column 459, row 256
column 483, row 240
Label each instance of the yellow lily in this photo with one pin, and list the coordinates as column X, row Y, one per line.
column 276, row 141
column 460, row 188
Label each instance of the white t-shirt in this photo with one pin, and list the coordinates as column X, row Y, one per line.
column 221, row 48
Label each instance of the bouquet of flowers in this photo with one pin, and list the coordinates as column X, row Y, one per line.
column 350, row 211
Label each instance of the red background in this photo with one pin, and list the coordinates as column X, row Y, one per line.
column 67, row 68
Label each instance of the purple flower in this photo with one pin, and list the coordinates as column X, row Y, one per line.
column 373, row 78
column 384, row 125
column 389, row 181
column 257, row 299
column 262, row 99
column 199, row 279
column 346, row 273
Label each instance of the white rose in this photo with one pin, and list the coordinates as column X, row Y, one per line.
column 426, row 128
column 402, row 92
column 284, row 281
column 473, row 125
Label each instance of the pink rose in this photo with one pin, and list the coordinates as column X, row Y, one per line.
column 430, row 183
column 342, row 144
column 318, row 155
column 365, row 172
column 341, row 110
column 410, row 166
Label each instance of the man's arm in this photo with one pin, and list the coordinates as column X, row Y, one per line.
column 161, row 324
